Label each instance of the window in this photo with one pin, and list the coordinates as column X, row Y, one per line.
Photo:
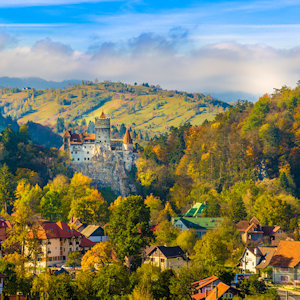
column 78, row 158
column 162, row 260
column 88, row 158
column 60, row 248
column 88, row 152
column 85, row 158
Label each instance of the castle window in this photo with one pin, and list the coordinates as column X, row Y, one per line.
column 88, row 158
column 71, row 152
column 88, row 152
column 78, row 158
column 84, row 158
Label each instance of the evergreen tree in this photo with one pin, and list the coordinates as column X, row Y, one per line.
column 7, row 186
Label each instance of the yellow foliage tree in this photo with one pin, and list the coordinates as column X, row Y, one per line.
column 100, row 255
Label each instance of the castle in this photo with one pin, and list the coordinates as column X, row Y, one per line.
column 107, row 161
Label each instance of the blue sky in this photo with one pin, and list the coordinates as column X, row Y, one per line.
column 210, row 46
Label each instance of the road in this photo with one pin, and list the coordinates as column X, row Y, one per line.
column 291, row 295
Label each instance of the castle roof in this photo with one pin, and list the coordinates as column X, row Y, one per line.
column 127, row 138
column 102, row 115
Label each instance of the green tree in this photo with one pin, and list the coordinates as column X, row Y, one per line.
column 74, row 259
column 112, row 280
column 186, row 240
column 129, row 228
column 91, row 209
column 51, row 206
column 7, row 186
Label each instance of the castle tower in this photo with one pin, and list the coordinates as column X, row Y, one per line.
column 102, row 130
column 127, row 141
column 67, row 140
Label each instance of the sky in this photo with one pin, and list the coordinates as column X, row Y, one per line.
column 245, row 47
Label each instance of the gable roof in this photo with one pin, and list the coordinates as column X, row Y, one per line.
column 267, row 254
column 253, row 228
column 218, row 291
column 52, row 230
column 242, row 225
column 196, row 210
column 205, row 223
column 204, row 282
column 93, row 230
column 287, row 254
column 168, row 252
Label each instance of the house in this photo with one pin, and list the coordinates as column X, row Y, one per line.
column 57, row 240
column 253, row 232
column 202, row 287
column 200, row 224
column 273, row 234
column 166, row 257
column 250, row 231
column 95, row 233
column 196, row 210
column 256, row 258
column 286, row 262
column 212, row 288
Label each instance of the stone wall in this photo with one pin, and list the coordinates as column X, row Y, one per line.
column 110, row 169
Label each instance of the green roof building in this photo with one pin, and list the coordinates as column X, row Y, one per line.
column 200, row 224
column 196, row 210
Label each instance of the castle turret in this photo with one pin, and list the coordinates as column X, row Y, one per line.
column 102, row 130
column 127, row 141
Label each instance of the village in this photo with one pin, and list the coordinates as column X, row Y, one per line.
column 269, row 253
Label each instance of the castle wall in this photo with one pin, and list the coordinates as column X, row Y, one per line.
column 82, row 152
column 110, row 169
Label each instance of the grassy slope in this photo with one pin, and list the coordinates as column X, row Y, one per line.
column 145, row 108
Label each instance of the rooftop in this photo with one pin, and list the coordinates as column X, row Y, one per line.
column 196, row 210
column 287, row 254
column 199, row 222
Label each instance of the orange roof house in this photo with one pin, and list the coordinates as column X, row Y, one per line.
column 58, row 239
column 212, row 288
column 286, row 262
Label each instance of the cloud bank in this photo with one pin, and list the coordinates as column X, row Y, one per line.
column 218, row 67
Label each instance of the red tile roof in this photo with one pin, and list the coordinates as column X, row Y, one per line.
column 51, row 230
column 287, row 254
column 85, row 242
column 204, row 282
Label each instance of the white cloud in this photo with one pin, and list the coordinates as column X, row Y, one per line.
column 219, row 67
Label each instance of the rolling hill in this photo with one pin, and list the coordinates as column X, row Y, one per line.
column 142, row 107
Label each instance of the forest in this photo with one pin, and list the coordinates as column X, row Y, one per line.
column 244, row 163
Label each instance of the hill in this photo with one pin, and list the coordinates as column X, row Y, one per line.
column 143, row 107
column 243, row 163
column 34, row 83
